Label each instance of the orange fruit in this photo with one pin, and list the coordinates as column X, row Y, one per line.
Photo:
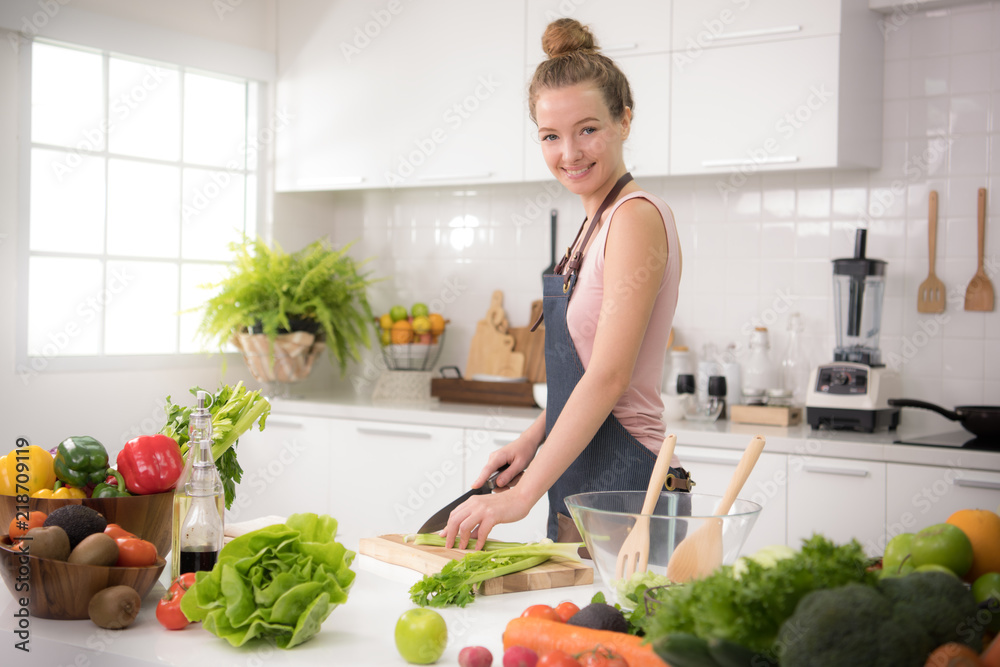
column 982, row 527
column 437, row 323
column 402, row 332
column 953, row 654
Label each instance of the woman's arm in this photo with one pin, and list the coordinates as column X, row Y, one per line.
column 635, row 259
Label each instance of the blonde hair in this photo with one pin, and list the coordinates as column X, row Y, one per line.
column 573, row 57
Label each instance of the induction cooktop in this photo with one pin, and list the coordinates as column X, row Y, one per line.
column 962, row 439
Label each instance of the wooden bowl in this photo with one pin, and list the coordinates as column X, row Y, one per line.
column 61, row 590
column 150, row 517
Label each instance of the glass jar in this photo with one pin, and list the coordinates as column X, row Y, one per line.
column 759, row 374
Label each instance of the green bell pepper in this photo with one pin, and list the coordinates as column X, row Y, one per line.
column 112, row 487
column 81, row 460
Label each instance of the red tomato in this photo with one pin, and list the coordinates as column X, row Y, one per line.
column 541, row 611
column 565, row 610
column 135, row 553
column 557, row 659
column 117, row 532
column 601, row 657
column 168, row 609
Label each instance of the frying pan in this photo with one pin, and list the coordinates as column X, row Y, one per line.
column 981, row 420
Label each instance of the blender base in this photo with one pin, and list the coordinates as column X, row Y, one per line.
column 850, row 419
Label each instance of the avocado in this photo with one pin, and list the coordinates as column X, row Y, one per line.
column 599, row 616
column 78, row 521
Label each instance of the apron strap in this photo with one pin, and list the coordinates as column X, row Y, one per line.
column 576, row 260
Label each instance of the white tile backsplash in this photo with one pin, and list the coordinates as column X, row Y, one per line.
column 755, row 253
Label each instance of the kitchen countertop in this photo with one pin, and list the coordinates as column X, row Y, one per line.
column 799, row 440
column 358, row 633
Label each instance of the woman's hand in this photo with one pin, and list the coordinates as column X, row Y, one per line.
column 477, row 516
column 516, row 455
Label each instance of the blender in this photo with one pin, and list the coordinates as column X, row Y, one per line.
column 851, row 393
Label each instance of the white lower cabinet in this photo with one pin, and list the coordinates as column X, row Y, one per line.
column 919, row 496
column 479, row 443
column 838, row 498
column 390, row 478
column 286, row 469
column 712, row 468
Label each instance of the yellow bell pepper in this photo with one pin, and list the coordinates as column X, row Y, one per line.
column 36, row 470
column 63, row 492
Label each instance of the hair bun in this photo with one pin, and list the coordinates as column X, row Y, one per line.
column 566, row 35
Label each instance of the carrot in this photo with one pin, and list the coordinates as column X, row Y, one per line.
column 953, row 654
column 991, row 656
column 541, row 635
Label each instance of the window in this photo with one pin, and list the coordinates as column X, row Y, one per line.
column 140, row 177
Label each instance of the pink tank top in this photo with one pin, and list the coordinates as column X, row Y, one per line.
column 640, row 408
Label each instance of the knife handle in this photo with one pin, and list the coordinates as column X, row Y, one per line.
column 491, row 483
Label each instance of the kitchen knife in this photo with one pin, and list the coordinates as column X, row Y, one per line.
column 440, row 518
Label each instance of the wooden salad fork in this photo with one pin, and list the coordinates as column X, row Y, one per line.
column 930, row 294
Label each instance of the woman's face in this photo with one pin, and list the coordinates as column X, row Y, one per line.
column 581, row 142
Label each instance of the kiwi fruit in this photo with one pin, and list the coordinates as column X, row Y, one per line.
column 48, row 542
column 115, row 607
column 95, row 549
column 78, row 521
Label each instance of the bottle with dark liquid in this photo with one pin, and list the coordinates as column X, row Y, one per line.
column 198, row 501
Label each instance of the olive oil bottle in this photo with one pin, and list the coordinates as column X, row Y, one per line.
column 199, row 501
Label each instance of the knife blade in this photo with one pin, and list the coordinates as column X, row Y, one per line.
column 439, row 519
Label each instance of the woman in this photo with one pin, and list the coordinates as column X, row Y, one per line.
column 604, row 347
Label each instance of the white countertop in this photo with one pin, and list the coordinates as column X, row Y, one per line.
column 357, row 634
column 795, row 440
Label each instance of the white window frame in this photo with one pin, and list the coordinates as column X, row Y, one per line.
column 144, row 42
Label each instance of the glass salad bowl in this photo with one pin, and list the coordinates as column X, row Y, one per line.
column 605, row 518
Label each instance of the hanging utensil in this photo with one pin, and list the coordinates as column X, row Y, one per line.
column 634, row 554
column 930, row 294
column 979, row 293
column 700, row 553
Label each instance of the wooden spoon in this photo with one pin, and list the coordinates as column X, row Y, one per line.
column 979, row 293
column 930, row 294
column 700, row 553
column 634, row 555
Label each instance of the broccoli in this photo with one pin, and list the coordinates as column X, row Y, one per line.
column 942, row 604
column 851, row 625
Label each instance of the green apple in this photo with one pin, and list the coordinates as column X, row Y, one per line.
column 420, row 310
column 987, row 587
column 421, row 636
column 896, row 553
column 397, row 313
column 934, row 567
column 942, row 544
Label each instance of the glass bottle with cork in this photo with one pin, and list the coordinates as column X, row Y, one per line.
column 199, row 501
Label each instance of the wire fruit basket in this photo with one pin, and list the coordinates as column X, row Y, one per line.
column 420, row 352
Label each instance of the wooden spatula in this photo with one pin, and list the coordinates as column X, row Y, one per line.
column 930, row 294
column 634, row 555
column 700, row 553
column 979, row 293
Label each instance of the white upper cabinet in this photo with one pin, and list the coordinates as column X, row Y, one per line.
column 385, row 94
column 779, row 103
column 623, row 28
column 699, row 24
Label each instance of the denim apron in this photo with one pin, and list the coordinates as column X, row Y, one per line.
column 614, row 460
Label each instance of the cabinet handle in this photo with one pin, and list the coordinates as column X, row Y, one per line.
column 740, row 162
column 332, row 180
column 625, row 46
column 286, row 424
column 760, row 32
column 421, row 435
column 978, row 484
column 708, row 458
column 849, row 472
column 501, row 442
column 455, row 177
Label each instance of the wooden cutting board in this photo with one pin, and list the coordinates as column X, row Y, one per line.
column 554, row 573
column 492, row 349
column 532, row 345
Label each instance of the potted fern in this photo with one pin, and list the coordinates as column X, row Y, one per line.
column 282, row 310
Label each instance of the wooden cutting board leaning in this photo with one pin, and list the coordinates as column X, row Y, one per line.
column 532, row 345
column 492, row 349
column 555, row 573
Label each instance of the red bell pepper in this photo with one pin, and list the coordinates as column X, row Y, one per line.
column 150, row 464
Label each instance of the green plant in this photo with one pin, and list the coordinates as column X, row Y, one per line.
column 267, row 289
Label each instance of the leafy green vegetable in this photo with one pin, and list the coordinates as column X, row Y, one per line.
column 234, row 410
column 279, row 582
column 456, row 582
column 630, row 591
column 750, row 610
column 435, row 540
